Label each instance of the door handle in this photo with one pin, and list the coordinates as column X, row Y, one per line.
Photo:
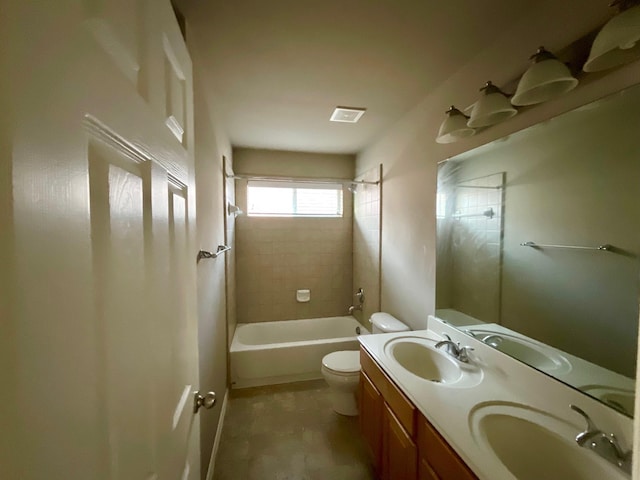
column 208, row 400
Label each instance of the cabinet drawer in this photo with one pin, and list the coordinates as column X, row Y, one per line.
column 402, row 408
column 444, row 461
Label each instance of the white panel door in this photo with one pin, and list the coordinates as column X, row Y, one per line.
column 99, row 324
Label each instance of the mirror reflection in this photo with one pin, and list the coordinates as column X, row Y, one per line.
column 539, row 242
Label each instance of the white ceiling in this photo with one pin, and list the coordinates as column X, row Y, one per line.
column 274, row 70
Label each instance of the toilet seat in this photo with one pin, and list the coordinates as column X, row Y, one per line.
column 346, row 362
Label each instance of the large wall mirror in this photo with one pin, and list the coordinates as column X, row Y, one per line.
column 539, row 244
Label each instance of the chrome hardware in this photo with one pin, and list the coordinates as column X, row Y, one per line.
column 454, row 349
column 493, row 340
column 204, row 254
column 605, row 247
column 208, row 400
column 360, row 296
column 354, row 307
column 603, row 444
column 591, row 430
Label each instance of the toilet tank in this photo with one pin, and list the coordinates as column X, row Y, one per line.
column 382, row 322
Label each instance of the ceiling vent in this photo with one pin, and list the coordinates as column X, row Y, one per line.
column 347, row 114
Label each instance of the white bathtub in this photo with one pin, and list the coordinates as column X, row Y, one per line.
column 267, row 353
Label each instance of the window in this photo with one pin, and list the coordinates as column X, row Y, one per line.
column 293, row 199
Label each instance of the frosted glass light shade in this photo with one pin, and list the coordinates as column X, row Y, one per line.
column 617, row 43
column 492, row 107
column 454, row 127
column 545, row 79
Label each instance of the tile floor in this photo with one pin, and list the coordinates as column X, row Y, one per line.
column 289, row 432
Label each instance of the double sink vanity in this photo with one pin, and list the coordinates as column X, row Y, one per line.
column 433, row 409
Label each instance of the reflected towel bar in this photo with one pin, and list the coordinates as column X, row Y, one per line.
column 204, row 254
column 488, row 213
column 605, row 248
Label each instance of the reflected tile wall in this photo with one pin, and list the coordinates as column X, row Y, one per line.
column 477, row 247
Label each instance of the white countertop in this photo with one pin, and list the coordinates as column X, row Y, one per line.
column 495, row 379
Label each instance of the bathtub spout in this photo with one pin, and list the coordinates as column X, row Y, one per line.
column 354, row 307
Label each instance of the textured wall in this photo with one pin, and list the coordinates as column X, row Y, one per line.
column 212, row 327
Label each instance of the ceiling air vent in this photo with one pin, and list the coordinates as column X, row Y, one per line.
column 347, row 114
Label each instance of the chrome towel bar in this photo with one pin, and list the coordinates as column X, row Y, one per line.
column 204, row 254
column 605, row 248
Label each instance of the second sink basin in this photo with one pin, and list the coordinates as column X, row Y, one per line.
column 534, row 445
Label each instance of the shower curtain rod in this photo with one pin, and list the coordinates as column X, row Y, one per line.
column 276, row 178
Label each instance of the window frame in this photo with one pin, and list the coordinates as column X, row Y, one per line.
column 295, row 186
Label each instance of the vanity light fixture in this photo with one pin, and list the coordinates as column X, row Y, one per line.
column 492, row 107
column 618, row 42
column 546, row 78
column 454, row 127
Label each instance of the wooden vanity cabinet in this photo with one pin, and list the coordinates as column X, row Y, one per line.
column 399, row 452
column 402, row 442
column 371, row 405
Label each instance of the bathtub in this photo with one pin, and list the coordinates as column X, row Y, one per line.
column 267, row 353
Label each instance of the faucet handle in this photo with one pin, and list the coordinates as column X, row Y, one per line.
column 463, row 353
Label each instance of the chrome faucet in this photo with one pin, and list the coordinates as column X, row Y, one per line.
column 352, row 308
column 454, row 349
column 493, row 340
column 603, row 444
column 360, row 296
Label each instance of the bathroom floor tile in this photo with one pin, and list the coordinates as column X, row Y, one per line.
column 289, row 432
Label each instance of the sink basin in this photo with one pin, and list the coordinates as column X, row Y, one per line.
column 423, row 360
column 532, row 353
column 534, row 445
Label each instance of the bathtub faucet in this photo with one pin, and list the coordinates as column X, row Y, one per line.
column 352, row 308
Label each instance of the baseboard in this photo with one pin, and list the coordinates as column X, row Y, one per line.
column 216, row 442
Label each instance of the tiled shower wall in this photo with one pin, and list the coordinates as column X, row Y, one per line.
column 275, row 256
column 366, row 244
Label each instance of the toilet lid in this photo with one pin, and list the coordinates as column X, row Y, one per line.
column 345, row 361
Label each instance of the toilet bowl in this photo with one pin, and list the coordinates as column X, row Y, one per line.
column 341, row 369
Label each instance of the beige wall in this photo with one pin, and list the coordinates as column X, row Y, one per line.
column 366, row 244
column 210, row 146
column 277, row 256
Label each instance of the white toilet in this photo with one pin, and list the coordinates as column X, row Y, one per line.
column 341, row 369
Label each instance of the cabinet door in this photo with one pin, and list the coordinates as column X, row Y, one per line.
column 400, row 455
column 371, row 401
column 425, row 472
